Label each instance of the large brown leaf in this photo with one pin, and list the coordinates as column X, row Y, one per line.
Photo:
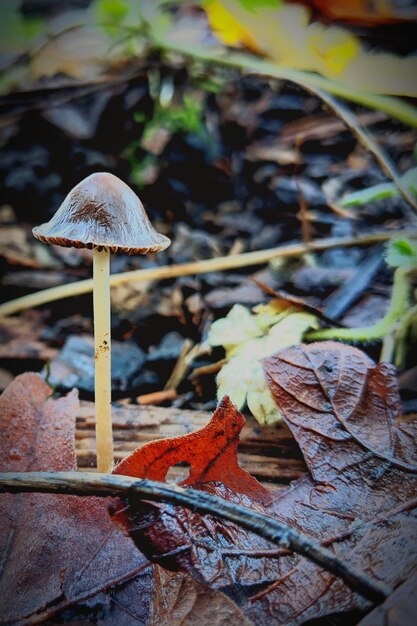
column 61, row 557
column 180, row 600
column 59, row 554
column 357, row 499
column 398, row 610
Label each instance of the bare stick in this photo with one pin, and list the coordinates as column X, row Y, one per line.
column 102, row 359
column 87, row 484
column 200, row 267
column 363, row 136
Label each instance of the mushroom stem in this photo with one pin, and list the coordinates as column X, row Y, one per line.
column 102, row 357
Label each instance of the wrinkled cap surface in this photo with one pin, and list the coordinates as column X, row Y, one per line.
column 102, row 212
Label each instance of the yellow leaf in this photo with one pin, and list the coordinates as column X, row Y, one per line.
column 289, row 39
column 228, row 29
column 335, row 47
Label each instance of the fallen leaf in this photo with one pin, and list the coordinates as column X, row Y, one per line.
column 62, row 559
column 61, row 555
column 248, row 337
column 179, row 600
column 371, row 14
column 359, row 499
column 339, row 392
column 219, row 437
column 397, row 609
column 283, row 300
column 290, row 38
column 20, row 338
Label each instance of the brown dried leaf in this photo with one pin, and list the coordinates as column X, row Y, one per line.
column 61, row 555
column 359, row 500
column 20, row 338
column 336, row 391
column 178, row 600
column 283, row 300
column 398, row 609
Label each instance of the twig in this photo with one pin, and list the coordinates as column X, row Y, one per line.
column 343, row 297
column 368, row 141
column 86, row 484
column 156, row 397
column 303, row 213
column 212, row 368
column 393, row 106
column 198, row 267
column 180, row 366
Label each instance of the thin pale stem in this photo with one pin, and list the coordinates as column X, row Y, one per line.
column 218, row 264
column 102, row 359
column 274, row 530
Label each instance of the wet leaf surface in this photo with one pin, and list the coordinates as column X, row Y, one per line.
column 179, row 600
column 62, row 559
column 398, row 610
column 358, row 499
column 61, row 555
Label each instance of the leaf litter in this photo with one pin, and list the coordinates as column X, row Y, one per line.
column 248, row 337
column 61, row 556
column 359, row 500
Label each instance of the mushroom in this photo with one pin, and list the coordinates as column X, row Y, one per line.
column 104, row 214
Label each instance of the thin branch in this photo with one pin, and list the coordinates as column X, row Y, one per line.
column 279, row 533
column 244, row 62
column 218, row 264
column 321, row 87
column 363, row 136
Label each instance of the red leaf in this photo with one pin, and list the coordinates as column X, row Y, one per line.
column 211, row 453
column 60, row 555
column 357, row 501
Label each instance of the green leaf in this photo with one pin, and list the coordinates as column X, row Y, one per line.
column 402, row 253
column 381, row 191
column 253, row 5
column 370, row 194
column 113, row 9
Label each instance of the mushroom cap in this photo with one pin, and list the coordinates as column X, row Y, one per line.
column 102, row 212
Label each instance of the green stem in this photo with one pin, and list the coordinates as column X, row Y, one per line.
column 392, row 106
column 397, row 308
column 400, row 333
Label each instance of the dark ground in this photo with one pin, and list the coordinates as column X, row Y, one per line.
column 228, row 178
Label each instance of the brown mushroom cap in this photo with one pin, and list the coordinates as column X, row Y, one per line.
column 102, row 212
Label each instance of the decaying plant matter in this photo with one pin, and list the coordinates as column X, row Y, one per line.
column 358, row 500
